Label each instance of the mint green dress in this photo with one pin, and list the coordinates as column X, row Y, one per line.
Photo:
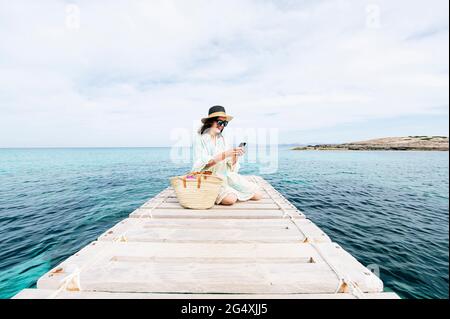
column 204, row 149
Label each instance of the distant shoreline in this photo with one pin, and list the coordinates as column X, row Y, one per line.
column 367, row 150
column 409, row 143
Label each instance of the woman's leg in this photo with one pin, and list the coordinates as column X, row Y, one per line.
column 257, row 196
column 229, row 200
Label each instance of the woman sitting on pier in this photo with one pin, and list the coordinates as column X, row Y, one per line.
column 212, row 153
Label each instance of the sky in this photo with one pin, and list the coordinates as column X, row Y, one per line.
column 128, row 73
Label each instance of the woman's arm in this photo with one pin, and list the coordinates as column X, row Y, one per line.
column 201, row 156
column 233, row 161
column 233, row 153
column 203, row 160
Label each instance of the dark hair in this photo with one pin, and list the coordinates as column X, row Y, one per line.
column 208, row 123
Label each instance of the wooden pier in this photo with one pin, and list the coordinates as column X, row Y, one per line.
column 255, row 250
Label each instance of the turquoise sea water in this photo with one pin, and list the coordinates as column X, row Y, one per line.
column 386, row 208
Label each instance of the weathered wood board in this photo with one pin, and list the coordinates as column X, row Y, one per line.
column 211, row 268
column 209, row 230
column 45, row 293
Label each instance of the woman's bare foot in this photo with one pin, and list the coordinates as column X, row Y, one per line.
column 257, row 196
column 229, row 200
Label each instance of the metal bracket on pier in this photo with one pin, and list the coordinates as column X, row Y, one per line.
column 348, row 286
column 69, row 283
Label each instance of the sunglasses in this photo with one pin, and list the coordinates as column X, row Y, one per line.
column 222, row 123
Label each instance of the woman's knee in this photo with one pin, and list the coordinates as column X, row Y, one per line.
column 257, row 196
column 229, row 200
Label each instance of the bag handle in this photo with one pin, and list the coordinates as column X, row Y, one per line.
column 199, row 177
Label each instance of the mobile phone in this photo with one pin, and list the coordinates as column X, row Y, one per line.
column 243, row 144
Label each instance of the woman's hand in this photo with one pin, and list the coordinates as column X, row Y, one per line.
column 233, row 153
column 238, row 151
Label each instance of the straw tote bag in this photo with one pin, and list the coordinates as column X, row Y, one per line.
column 197, row 190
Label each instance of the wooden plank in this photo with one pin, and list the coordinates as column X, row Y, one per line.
column 212, row 268
column 262, row 201
column 215, row 231
column 265, row 195
column 46, row 293
column 211, row 213
column 237, row 206
column 171, row 198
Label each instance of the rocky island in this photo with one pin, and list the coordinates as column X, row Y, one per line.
column 409, row 143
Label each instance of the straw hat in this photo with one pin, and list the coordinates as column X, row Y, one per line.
column 217, row 111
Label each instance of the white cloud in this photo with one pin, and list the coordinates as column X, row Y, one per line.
column 133, row 70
